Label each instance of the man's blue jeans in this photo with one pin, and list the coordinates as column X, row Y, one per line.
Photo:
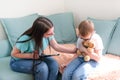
column 45, row 70
column 78, row 69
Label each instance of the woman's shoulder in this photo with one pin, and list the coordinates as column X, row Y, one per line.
column 24, row 37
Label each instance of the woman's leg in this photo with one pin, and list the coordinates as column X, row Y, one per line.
column 83, row 70
column 25, row 66
column 42, row 71
column 53, row 68
column 69, row 70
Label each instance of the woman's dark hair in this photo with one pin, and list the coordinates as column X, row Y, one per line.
column 40, row 26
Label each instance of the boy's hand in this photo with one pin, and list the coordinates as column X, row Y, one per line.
column 90, row 50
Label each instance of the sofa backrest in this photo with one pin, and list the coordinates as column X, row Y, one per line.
column 114, row 47
column 64, row 27
column 14, row 27
column 5, row 47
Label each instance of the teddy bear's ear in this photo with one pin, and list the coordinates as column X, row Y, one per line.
column 85, row 44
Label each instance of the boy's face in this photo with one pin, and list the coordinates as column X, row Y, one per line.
column 87, row 37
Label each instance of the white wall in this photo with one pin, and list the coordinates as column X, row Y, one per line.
column 102, row 9
column 15, row 8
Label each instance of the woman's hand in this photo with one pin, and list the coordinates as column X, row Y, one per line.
column 82, row 48
column 35, row 55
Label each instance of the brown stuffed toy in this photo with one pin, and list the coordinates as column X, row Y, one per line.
column 89, row 45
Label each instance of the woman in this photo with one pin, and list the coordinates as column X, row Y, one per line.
column 30, row 45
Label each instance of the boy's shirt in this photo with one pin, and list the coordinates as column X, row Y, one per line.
column 95, row 38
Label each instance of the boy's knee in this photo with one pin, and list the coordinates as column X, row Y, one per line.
column 77, row 76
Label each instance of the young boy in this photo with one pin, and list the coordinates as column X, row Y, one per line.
column 79, row 69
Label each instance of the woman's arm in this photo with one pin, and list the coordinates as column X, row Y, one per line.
column 17, row 53
column 61, row 48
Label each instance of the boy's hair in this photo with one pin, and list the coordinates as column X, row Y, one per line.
column 86, row 27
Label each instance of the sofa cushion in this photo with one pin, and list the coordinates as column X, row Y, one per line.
column 114, row 47
column 5, row 48
column 64, row 27
column 7, row 74
column 105, row 29
column 14, row 27
column 2, row 33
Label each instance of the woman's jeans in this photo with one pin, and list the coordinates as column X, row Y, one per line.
column 78, row 69
column 45, row 70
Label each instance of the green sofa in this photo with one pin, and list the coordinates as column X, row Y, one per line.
column 11, row 28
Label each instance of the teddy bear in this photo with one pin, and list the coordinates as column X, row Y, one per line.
column 89, row 45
